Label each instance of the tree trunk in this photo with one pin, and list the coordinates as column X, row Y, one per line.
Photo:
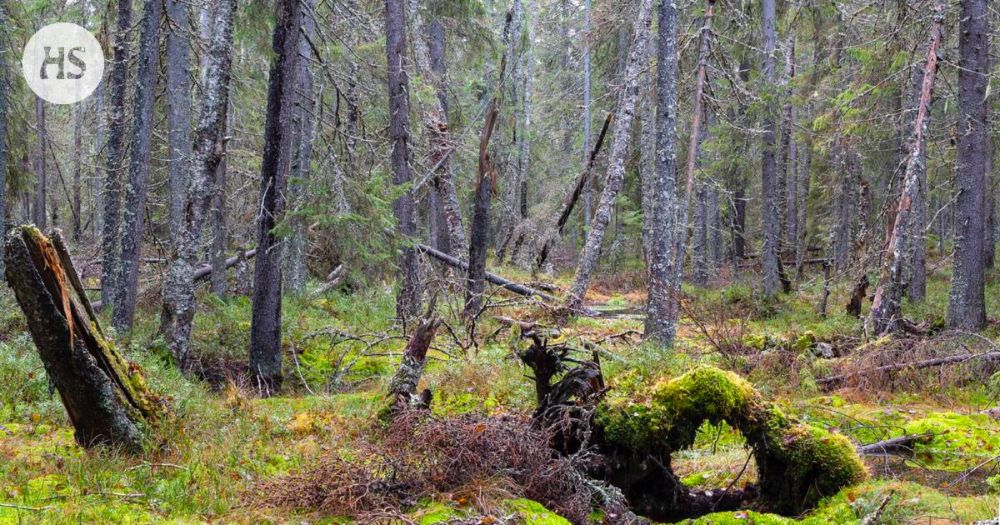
column 41, row 184
column 207, row 152
column 917, row 288
column 135, row 192
column 966, row 302
column 403, row 386
column 78, row 115
column 616, row 159
column 220, row 229
column 115, row 154
column 178, row 108
column 791, row 174
column 105, row 396
column 588, row 188
column 475, row 281
column 659, row 324
column 770, row 216
column 408, row 299
column 297, row 249
column 5, row 26
column 265, row 326
column 885, row 310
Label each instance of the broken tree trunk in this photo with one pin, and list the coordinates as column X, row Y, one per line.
column 403, row 387
column 454, row 262
column 105, row 395
column 885, row 315
column 574, row 196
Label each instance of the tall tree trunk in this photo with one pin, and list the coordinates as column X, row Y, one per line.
column 439, row 131
column 220, row 230
column 659, row 324
column 5, row 26
column 115, row 154
column 769, row 173
column 78, row 115
column 989, row 226
column 616, row 159
column 408, row 299
column 41, row 182
column 475, row 282
column 885, row 310
column 588, row 188
column 917, row 272
column 966, row 302
column 297, row 249
column 207, row 152
column 178, row 108
column 135, row 192
column 265, row 326
column 791, row 152
column 802, row 196
column 97, row 202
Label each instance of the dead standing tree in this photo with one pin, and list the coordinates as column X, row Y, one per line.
column 105, row 395
column 885, row 313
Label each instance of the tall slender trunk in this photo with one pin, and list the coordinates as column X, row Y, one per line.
column 660, row 325
column 78, row 115
column 770, row 216
column 966, row 302
column 616, row 158
column 178, row 107
column 135, row 191
column 97, row 202
column 408, row 299
column 885, row 310
column 41, row 184
column 207, row 152
column 4, row 104
column 265, row 325
column 791, row 152
column 220, row 230
column 588, row 189
column 917, row 272
column 297, row 249
column 115, row 154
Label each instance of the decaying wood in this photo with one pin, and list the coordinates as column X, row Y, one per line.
column 902, row 446
column 403, row 387
column 508, row 285
column 105, row 395
column 858, row 296
column 834, row 380
column 570, row 202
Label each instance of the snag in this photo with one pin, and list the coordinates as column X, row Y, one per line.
column 105, row 395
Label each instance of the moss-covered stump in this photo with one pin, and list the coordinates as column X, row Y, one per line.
column 105, row 395
column 797, row 464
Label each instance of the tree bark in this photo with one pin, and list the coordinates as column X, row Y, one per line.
column 207, row 152
column 133, row 213
column 41, row 182
column 769, row 173
column 616, row 159
column 485, row 185
column 78, row 115
column 659, row 325
column 105, row 396
column 791, row 174
column 5, row 26
column 966, row 302
column 178, row 108
column 408, row 298
column 115, row 154
column 297, row 249
column 917, row 288
column 884, row 315
column 220, row 229
column 265, row 326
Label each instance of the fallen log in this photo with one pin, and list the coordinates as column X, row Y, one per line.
column 902, row 446
column 506, row 284
column 104, row 394
column 202, row 273
column 916, row 365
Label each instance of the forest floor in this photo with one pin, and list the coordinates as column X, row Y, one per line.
column 220, row 456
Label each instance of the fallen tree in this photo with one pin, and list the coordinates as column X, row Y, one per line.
column 834, row 380
column 506, row 284
column 104, row 394
column 202, row 273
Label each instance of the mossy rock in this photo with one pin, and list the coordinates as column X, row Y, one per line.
column 798, row 464
column 532, row 512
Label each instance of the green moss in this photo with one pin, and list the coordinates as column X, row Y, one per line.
column 534, row 513
column 704, row 394
column 436, row 512
column 958, row 442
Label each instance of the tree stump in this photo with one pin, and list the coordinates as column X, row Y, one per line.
column 105, row 395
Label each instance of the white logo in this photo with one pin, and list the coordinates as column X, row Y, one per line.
column 63, row 63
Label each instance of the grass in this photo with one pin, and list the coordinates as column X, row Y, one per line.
column 222, row 441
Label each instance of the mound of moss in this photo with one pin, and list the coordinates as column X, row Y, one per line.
column 798, row 464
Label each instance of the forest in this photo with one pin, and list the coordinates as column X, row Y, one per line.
column 479, row 262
